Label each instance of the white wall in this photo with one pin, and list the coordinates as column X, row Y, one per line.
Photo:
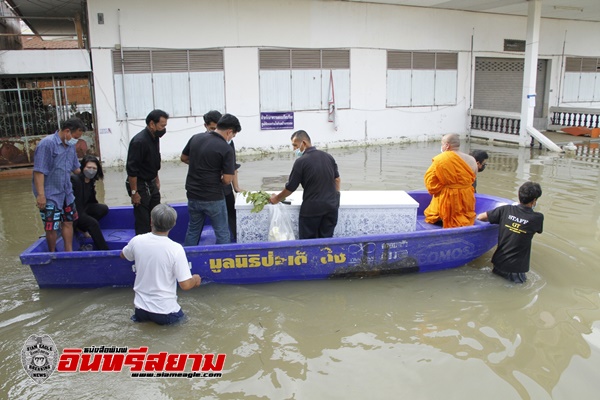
column 242, row 27
column 22, row 62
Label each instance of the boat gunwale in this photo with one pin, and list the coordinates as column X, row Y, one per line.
column 31, row 257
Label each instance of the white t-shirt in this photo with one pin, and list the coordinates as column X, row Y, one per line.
column 160, row 263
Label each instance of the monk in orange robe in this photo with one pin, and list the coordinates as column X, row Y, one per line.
column 449, row 180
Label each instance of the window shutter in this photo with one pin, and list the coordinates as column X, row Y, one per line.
column 447, row 61
column 306, row 59
column 169, row 61
column 274, row 59
column 206, row 60
column 137, row 61
column 335, row 59
column 589, row 64
column 573, row 64
column 423, row 60
column 399, row 60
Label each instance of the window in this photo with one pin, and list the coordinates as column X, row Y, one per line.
column 181, row 82
column 421, row 79
column 296, row 80
column 582, row 79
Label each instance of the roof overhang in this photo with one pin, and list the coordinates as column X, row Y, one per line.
column 50, row 17
column 58, row 17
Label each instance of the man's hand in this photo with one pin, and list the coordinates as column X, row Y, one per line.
column 191, row 283
column 274, row 199
column 136, row 199
column 41, row 201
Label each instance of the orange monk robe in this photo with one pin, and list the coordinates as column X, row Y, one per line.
column 449, row 180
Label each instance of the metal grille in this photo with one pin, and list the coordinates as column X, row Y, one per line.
column 33, row 107
column 499, row 85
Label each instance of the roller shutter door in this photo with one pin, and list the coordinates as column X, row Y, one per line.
column 499, row 85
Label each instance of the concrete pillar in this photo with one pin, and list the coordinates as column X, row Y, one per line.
column 529, row 99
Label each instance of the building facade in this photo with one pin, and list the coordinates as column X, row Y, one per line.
column 399, row 73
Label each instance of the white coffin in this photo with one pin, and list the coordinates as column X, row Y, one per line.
column 361, row 213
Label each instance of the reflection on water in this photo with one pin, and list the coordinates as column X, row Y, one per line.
column 463, row 333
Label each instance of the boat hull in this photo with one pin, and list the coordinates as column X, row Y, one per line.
column 428, row 249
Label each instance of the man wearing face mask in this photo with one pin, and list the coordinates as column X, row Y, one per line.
column 480, row 157
column 53, row 161
column 449, row 180
column 211, row 162
column 143, row 164
column 318, row 174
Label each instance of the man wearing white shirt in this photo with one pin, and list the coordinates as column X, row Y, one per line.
column 159, row 263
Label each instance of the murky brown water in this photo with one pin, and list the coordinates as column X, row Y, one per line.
column 458, row 334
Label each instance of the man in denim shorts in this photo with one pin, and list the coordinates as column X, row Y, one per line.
column 53, row 161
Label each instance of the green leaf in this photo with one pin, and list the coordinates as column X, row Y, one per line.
column 259, row 199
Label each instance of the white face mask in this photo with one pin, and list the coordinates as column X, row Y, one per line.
column 442, row 149
column 72, row 141
column 229, row 141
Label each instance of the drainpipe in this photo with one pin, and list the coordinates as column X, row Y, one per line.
column 123, row 78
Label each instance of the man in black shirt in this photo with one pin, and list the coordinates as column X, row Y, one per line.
column 211, row 165
column 480, row 157
column 211, row 119
column 318, row 174
column 143, row 163
column 518, row 224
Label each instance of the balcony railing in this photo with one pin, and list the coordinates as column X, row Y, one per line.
column 568, row 116
column 496, row 121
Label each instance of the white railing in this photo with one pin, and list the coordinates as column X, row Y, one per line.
column 496, row 121
column 561, row 117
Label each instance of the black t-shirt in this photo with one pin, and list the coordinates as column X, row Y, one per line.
column 316, row 171
column 210, row 157
column 143, row 156
column 85, row 193
column 518, row 224
column 228, row 189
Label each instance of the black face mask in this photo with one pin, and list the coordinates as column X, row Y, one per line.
column 160, row 133
column 482, row 167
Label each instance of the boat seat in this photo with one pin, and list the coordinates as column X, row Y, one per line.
column 116, row 239
column 424, row 226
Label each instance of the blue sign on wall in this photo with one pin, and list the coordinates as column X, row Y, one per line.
column 276, row 120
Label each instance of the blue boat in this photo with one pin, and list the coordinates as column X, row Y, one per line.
column 429, row 248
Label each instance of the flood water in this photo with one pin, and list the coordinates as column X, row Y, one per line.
column 458, row 334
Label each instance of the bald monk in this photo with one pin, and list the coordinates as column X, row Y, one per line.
column 449, row 180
